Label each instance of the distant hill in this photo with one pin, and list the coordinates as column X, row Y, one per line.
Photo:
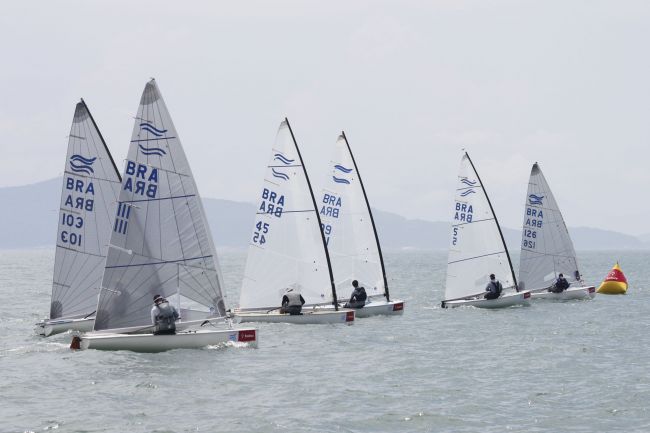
column 30, row 217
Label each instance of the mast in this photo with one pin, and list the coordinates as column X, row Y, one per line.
column 320, row 224
column 505, row 247
column 372, row 220
column 101, row 137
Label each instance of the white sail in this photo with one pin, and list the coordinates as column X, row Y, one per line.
column 91, row 184
column 286, row 249
column 477, row 248
column 546, row 247
column 161, row 242
column 348, row 226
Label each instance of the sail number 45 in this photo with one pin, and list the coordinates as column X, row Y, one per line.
column 258, row 235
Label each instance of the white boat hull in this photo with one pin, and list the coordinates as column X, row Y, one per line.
column 586, row 292
column 308, row 316
column 375, row 308
column 507, row 300
column 56, row 326
column 160, row 343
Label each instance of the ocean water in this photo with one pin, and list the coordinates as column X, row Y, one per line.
column 573, row 366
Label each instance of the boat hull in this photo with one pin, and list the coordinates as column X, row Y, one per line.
column 310, row 316
column 50, row 327
column 507, row 300
column 159, row 343
column 376, row 308
column 586, row 292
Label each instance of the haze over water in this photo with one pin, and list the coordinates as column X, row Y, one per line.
column 574, row 366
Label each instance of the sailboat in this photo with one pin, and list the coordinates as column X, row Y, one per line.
column 351, row 234
column 477, row 248
column 89, row 193
column 287, row 250
column 160, row 245
column 546, row 246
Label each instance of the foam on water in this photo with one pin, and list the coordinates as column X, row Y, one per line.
column 573, row 366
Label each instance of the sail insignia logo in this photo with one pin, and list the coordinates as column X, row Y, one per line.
column 279, row 174
column 150, row 128
column 468, row 182
column 81, row 164
column 467, row 192
column 283, row 159
column 151, row 150
column 535, row 200
column 342, row 169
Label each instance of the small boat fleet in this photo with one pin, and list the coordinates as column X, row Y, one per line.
column 136, row 266
column 127, row 240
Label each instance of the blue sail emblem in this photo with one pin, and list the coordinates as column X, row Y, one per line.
column 81, row 164
column 283, row 159
column 467, row 192
column 340, row 180
column 341, row 168
column 468, row 182
column 279, row 174
column 150, row 128
column 152, row 150
column 535, row 200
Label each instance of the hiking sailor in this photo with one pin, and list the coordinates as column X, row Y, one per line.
column 292, row 303
column 493, row 288
column 163, row 316
column 561, row 284
column 358, row 297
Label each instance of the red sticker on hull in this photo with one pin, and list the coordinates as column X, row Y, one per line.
column 349, row 316
column 398, row 307
column 246, row 335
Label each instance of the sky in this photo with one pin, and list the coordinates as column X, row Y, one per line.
column 563, row 83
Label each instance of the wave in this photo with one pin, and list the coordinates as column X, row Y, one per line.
column 152, row 150
column 468, row 182
column 81, row 168
column 279, row 175
column 146, row 126
column 343, row 169
column 339, row 180
column 283, row 159
column 83, row 159
column 467, row 192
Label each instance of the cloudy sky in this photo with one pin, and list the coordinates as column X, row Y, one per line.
column 565, row 83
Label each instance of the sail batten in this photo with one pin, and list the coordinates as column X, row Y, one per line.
column 546, row 246
column 88, row 195
column 161, row 241
column 477, row 248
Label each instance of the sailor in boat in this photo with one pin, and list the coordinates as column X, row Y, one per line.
column 358, row 297
column 561, row 284
column 292, row 303
column 493, row 288
column 163, row 316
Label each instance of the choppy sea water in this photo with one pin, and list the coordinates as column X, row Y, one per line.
column 573, row 366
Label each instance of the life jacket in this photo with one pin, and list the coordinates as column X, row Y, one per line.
column 361, row 294
column 165, row 318
column 496, row 285
column 294, row 299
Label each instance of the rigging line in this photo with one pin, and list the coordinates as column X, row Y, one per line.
column 80, row 252
column 475, row 257
column 503, row 241
column 161, row 198
column 473, row 221
column 101, row 137
column 158, row 263
column 287, row 211
column 153, row 139
column 372, row 220
column 320, row 223
column 85, row 176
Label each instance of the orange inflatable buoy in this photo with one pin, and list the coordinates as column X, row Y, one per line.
column 615, row 282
